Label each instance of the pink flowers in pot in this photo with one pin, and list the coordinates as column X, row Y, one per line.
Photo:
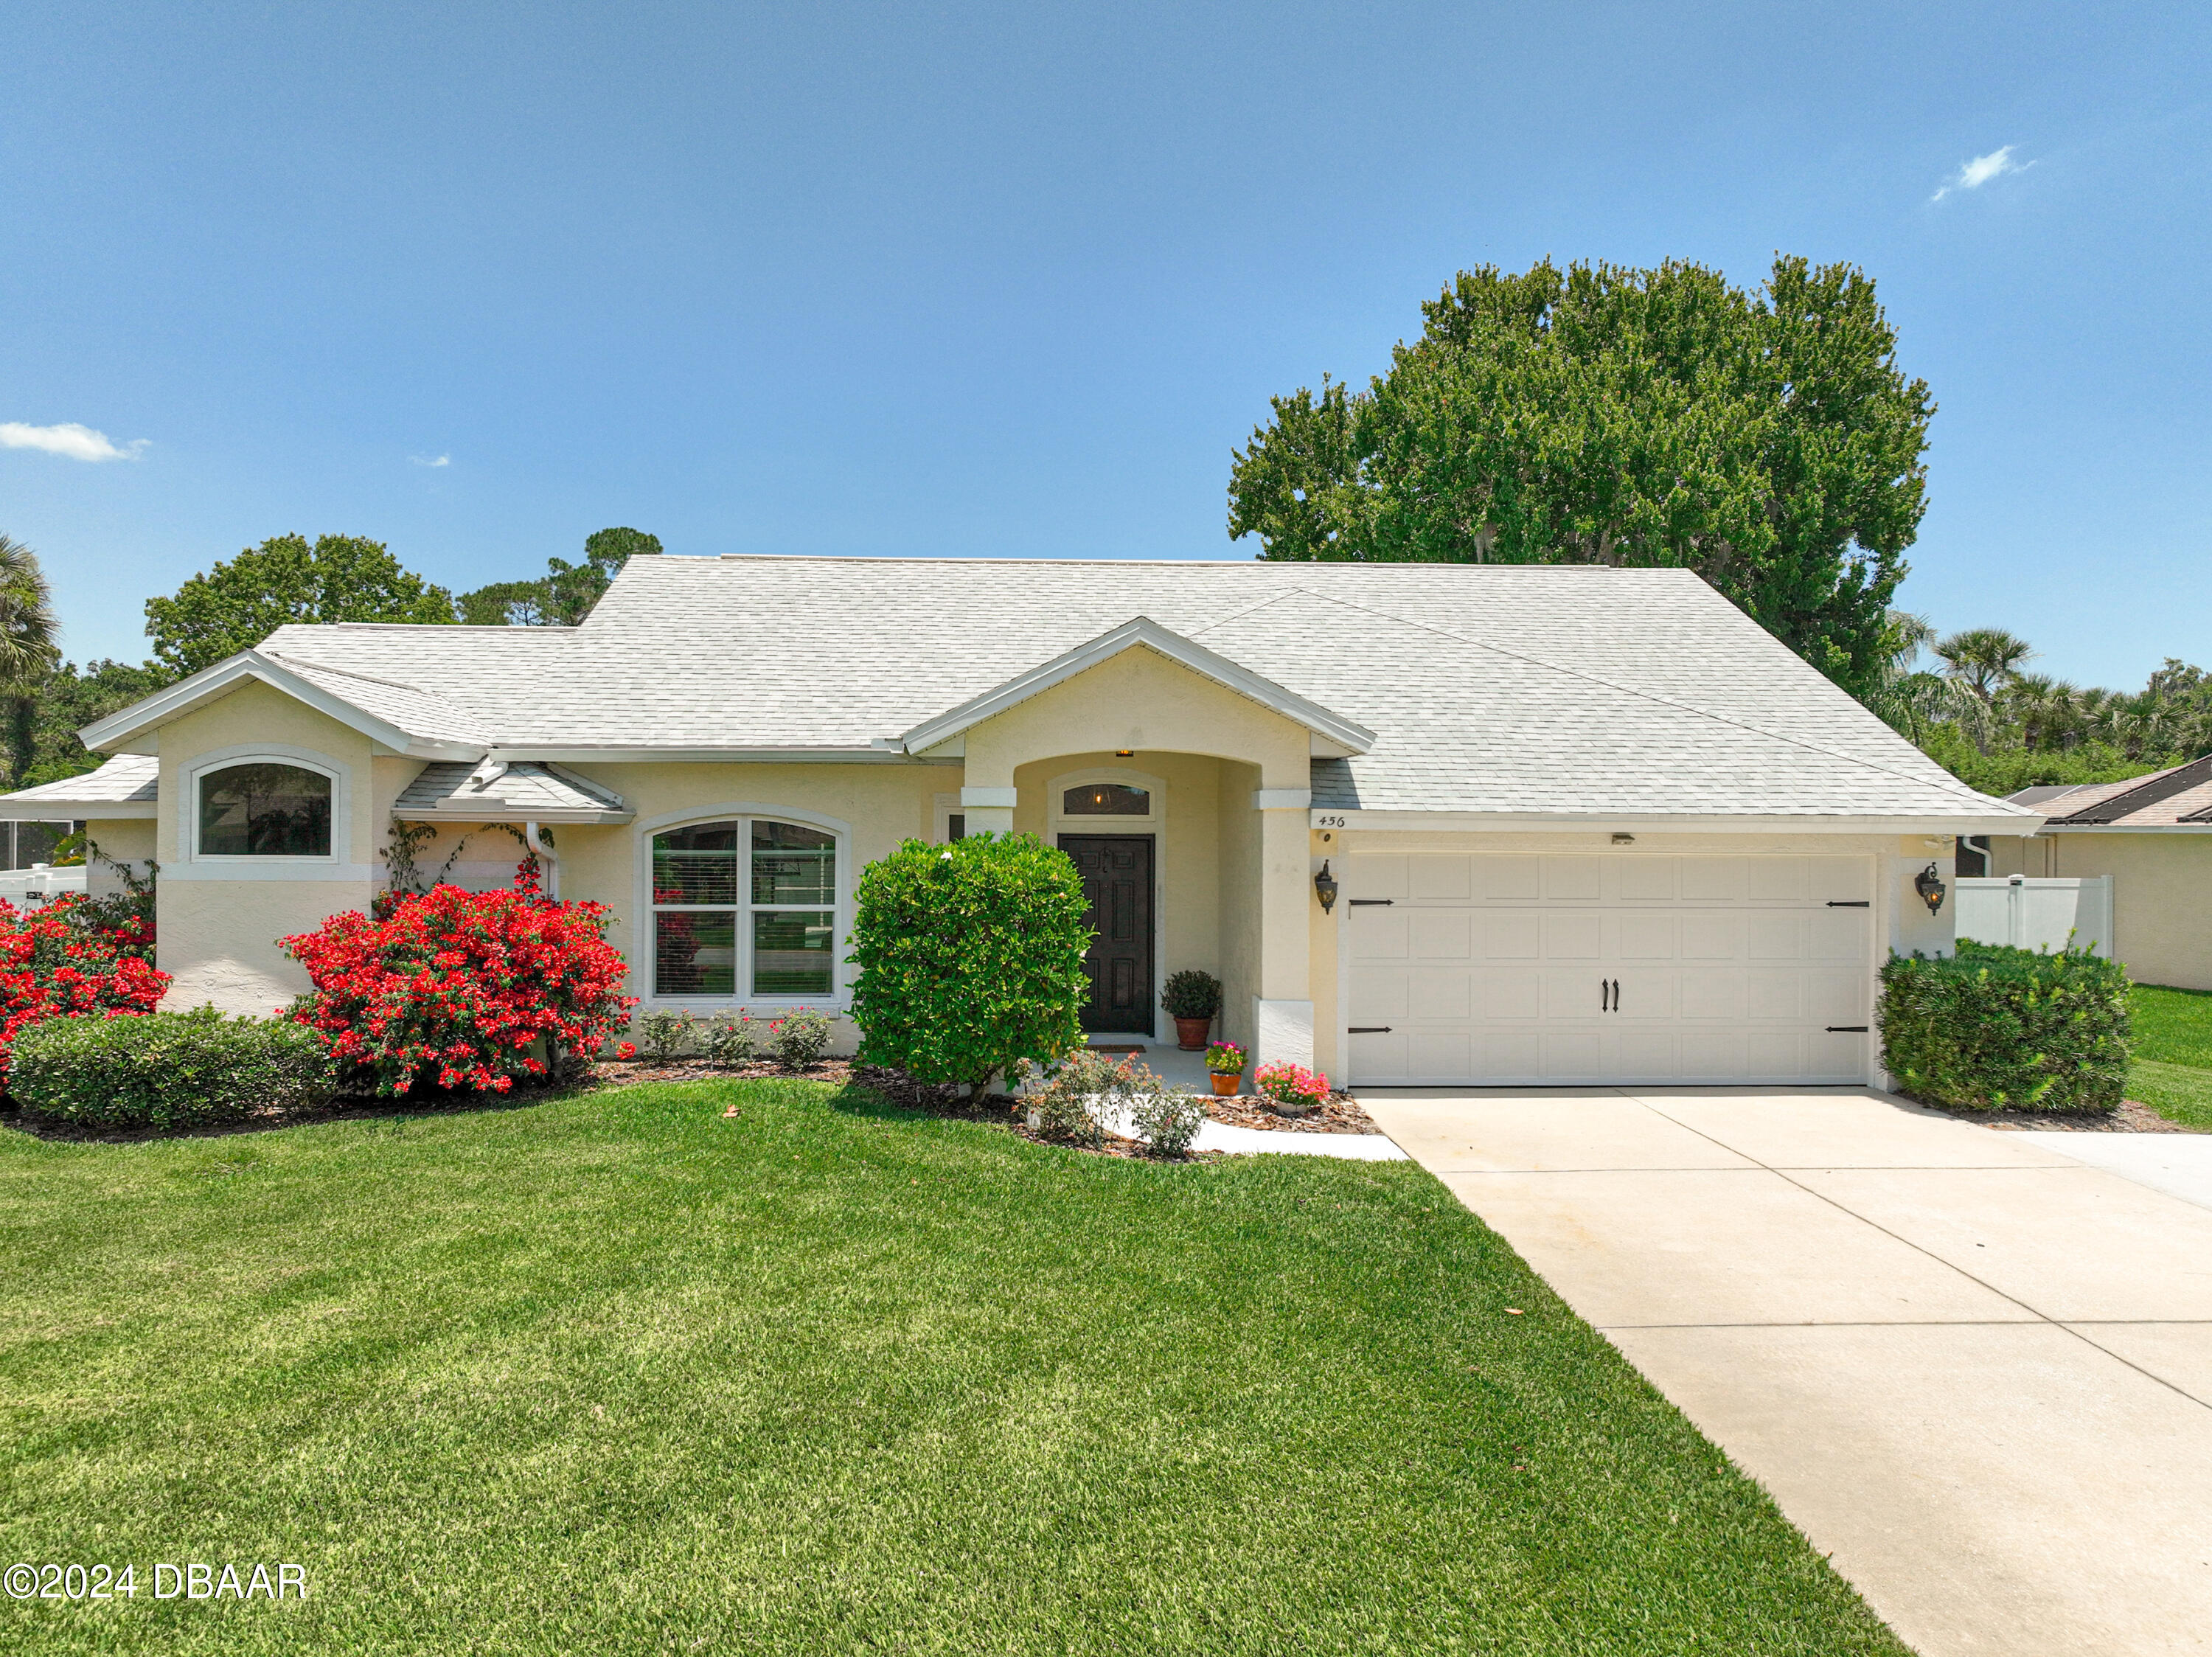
column 1292, row 1089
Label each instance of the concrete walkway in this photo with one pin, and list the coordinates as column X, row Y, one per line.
column 1976, row 1372
column 2179, row 1164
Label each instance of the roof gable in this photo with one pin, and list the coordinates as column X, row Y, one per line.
column 1335, row 734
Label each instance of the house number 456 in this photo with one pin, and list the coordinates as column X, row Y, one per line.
column 1328, row 822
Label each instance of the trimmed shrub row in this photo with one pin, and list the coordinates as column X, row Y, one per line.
column 1994, row 1029
column 167, row 1070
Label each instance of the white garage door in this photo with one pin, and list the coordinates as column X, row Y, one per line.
column 1500, row 968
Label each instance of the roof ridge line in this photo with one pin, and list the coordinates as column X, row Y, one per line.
column 353, row 672
column 1653, row 696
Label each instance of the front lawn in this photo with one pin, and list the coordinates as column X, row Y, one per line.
column 619, row 1373
column 2173, row 1072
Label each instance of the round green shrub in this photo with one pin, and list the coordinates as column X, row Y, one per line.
column 1993, row 1028
column 970, row 957
column 168, row 1069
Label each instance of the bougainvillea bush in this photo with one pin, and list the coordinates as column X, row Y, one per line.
column 68, row 958
column 457, row 989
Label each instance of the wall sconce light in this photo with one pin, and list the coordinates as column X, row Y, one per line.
column 1124, row 753
column 1325, row 887
column 1930, row 887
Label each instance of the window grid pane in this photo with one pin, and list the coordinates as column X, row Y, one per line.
column 695, row 953
column 791, row 951
column 793, row 865
column 696, row 865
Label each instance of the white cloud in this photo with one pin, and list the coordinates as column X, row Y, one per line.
column 432, row 460
column 77, row 443
column 1973, row 175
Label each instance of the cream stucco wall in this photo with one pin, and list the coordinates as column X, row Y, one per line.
column 2161, row 894
column 218, row 923
column 874, row 806
column 127, row 840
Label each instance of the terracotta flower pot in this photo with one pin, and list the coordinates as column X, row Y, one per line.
column 1191, row 1034
column 1226, row 1085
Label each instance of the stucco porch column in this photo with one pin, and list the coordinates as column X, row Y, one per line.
column 988, row 811
column 1282, row 1002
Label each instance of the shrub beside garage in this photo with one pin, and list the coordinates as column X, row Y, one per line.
column 1993, row 1028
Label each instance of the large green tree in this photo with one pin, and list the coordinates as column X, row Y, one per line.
column 1766, row 440
column 565, row 594
column 236, row 605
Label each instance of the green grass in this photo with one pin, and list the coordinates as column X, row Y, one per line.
column 615, row 1374
column 2173, row 1027
column 2172, row 1041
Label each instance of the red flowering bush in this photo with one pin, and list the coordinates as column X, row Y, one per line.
column 456, row 987
column 68, row 957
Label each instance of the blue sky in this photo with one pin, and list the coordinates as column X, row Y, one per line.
column 476, row 281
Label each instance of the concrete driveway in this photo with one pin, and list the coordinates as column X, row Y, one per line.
column 1974, row 1371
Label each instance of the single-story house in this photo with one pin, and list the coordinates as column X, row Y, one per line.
column 2152, row 835
column 1427, row 823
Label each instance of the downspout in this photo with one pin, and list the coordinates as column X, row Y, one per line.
column 547, row 858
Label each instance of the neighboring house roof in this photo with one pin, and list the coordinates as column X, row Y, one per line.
column 491, row 793
column 1533, row 690
column 126, row 786
column 2178, row 797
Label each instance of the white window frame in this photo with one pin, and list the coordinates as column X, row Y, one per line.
column 745, row 813
column 1059, row 821
column 948, row 806
column 272, row 753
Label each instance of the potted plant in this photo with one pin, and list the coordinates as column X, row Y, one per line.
column 1291, row 1089
column 1191, row 998
column 1225, row 1062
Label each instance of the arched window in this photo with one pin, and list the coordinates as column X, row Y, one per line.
column 747, row 901
column 1105, row 800
column 263, row 808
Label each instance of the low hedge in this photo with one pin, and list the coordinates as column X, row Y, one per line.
column 167, row 1070
column 1997, row 1029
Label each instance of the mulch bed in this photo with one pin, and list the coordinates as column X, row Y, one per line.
column 2132, row 1116
column 1341, row 1114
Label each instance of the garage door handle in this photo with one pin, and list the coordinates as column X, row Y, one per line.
column 1369, row 903
column 1851, row 903
column 1847, row 1029
column 1367, row 1030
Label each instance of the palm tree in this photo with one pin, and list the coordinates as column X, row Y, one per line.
column 1983, row 659
column 1980, row 661
column 29, row 649
column 2049, row 710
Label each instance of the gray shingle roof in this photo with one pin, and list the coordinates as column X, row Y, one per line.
column 127, row 779
column 1492, row 688
column 525, row 788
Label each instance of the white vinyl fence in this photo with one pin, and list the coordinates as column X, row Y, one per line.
column 37, row 883
column 2030, row 913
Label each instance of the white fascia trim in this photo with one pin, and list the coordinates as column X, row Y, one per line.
column 612, row 755
column 1281, row 799
column 2085, row 828
column 50, row 810
column 1140, row 630
column 105, row 735
column 493, row 812
column 1464, row 822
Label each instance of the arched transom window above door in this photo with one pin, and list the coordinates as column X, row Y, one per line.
column 1105, row 800
column 744, row 907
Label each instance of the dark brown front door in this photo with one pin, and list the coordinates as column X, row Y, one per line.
column 1117, row 884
